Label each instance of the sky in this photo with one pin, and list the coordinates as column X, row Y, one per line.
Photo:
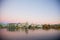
column 31, row 11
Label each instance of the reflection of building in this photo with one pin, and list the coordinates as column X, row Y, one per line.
column 45, row 26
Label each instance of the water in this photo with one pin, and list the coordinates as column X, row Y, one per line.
column 38, row 34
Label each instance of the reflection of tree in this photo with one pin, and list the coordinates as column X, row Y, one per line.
column 29, row 27
column 17, row 27
column 26, row 30
column 38, row 27
column 55, row 26
column 1, row 26
column 46, row 27
column 11, row 27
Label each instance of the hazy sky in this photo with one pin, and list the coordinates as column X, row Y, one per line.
column 32, row 11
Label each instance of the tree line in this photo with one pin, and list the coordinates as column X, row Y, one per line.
column 16, row 26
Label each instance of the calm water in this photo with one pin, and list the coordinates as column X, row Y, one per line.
column 38, row 34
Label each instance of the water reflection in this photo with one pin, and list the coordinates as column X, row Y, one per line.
column 28, row 34
column 25, row 29
column 20, row 29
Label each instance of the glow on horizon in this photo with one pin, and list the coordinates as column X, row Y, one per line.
column 31, row 11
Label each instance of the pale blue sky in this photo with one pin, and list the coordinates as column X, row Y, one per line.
column 33, row 11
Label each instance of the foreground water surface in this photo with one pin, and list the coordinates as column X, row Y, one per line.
column 39, row 34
